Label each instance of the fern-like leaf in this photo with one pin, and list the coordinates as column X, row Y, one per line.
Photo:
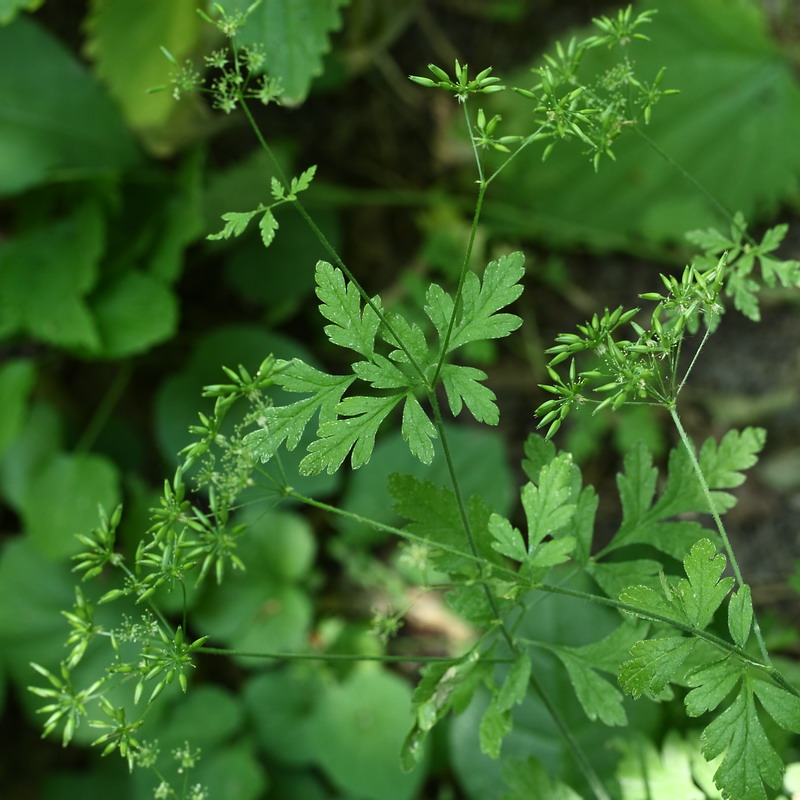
column 340, row 303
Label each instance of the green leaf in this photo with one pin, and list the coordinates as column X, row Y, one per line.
column 304, row 181
column 702, row 594
column 547, row 506
column 750, row 759
column 121, row 33
column 647, row 522
column 707, row 47
column 655, row 664
column 16, row 381
column 341, row 304
column 294, row 35
column 740, row 615
column 462, row 387
column 43, row 122
column 529, row 779
column 711, row 684
column 235, row 224
column 417, row 429
column 515, row 685
column 722, row 463
column 495, row 726
column 381, row 373
column 362, row 416
column 599, row 699
column 508, row 540
column 744, row 292
column 287, row 423
column 412, row 338
column 134, row 314
column 434, row 515
column 359, row 727
column 481, row 300
column 268, row 226
column 644, row 773
column 62, row 500
column 45, row 275
column 10, row 8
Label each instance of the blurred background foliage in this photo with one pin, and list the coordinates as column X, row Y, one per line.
column 115, row 311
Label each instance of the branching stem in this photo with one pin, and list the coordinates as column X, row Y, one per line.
column 717, row 521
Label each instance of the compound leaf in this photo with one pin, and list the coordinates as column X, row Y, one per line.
column 750, row 759
column 702, row 594
column 341, row 304
column 598, row 698
column 481, row 300
column 740, row 615
column 711, row 684
column 462, row 387
column 508, row 540
column 287, row 423
column 547, row 506
column 655, row 664
column 434, row 515
column 722, row 463
column 268, row 226
column 356, row 431
column 417, row 430
column 236, row 223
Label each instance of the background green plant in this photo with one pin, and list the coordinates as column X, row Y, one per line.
column 122, row 223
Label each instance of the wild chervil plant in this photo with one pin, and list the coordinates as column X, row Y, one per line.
column 695, row 630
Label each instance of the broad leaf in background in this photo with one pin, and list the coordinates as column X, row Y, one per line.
column 727, row 128
column 10, row 8
column 644, row 773
column 44, row 279
column 295, row 35
column 33, row 590
column 121, row 33
column 62, row 501
column 359, row 727
column 44, row 109
column 480, row 460
column 134, row 314
column 263, row 609
column 528, row 779
column 16, row 380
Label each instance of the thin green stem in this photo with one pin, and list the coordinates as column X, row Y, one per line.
column 330, row 249
column 592, row 778
column 692, row 363
column 533, row 137
column 717, row 521
column 572, row 743
column 712, row 199
column 104, row 408
column 380, row 526
column 461, row 278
